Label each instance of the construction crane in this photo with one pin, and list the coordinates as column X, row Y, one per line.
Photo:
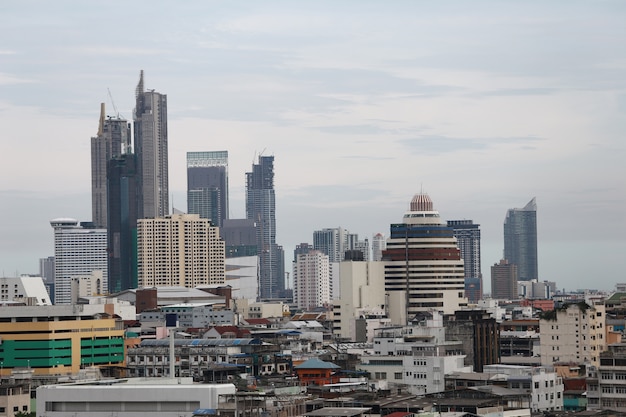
column 117, row 114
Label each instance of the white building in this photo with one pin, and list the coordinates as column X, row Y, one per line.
column 544, row 386
column 378, row 246
column 179, row 250
column 418, row 357
column 311, row 280
column 363, row 288
column 134, row 397
column 575, row 333
column 606, row 388
column 80, row 252
column 24, row 289
column 242, row 275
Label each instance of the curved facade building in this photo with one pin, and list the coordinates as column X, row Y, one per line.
column 423, row 265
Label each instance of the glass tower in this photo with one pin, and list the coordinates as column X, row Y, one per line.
column 520, row 240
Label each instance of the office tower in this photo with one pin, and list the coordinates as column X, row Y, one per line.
column 179, row 250
column 378, row 246
column 332, row 242
column 207, row 185
column 504, row 281
column 150, row 128
column 46, row 269
column 423, row 265
column 239, row 236
column 261, row 207
column 80, row 252
column 520, row 240
column 311, row 280
column 123, row 201
column 468, row 239
column 112, row 140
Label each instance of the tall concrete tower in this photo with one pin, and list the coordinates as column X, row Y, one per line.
column 111, row 141
column 150, row 128
column 520, row 240
column 423, row 265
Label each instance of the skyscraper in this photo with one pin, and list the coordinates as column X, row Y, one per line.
column 335, row 241
column 468, row 239
column 112, row 140
column 123, row 209
column 207, row 185
column 80, row 252
column 504, row 281
column 520, row 240
column 179, row 250
column 261, row 207
column 150, row 128
column 423, row 265
column 311, row 280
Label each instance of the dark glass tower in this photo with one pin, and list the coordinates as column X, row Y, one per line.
column 468, row 239
column 151, row 149
column 123, row 203
column 261, row 207
column 207, row 185
column 520, row 240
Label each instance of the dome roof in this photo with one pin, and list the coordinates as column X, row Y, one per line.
column 421, row 202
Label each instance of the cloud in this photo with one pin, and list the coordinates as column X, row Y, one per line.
column 444, row 144
column 10, row 79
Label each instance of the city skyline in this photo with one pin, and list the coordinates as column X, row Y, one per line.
column 484, row 105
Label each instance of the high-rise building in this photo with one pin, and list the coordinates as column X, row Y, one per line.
column 520, row 240
column 335, row 242
column 504, row 281
column 240, row 238
column 179, row 250
column 207, row 185
column 378, row 246
column 311, row 280
column 468, row 239
column 150, row 130
column 112, row 140
column 46, row 269
column 80, row 252
column 423, row 265
column 123, row 210
column 261, row 207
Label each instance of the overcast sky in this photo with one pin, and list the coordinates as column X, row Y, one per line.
column 483, row 105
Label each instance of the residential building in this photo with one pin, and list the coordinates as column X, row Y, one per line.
column 423, row 265
column 504, row 281
column 111, row 141
column 14, row 398
column 311, row 280
column 150, row 130
column 207, row 185
column 123, row 198
column 378, row 246
column 80, row 251
column 574, row 333
column 196, row 315
column 179, row 250
column 162, row 397
column 606, row 386
column 261, row 208
column 534, row 289
column 60, row 339
column 468, row 239
column 361, row 309
column 331, row 242
column 520, row 240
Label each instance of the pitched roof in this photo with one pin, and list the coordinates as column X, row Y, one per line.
column 315, row 363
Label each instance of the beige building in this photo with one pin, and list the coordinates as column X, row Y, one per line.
column 361, row 308
column 179, row 250
column 575, row 333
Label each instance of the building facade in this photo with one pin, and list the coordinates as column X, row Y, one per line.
column 207, row 185
column 261, row 208
column 179, row 250
column 606, row 387
column 123, row 211
column 378, row 246
column 468, row 239
column 423, row 265
column 574, row 333
column 504, row 281
column 311, row 280
column 80, row 251
column 520, row 240
column 112, row 140
column 150, row 129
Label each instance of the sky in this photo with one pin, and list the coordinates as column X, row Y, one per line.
column 483, row 105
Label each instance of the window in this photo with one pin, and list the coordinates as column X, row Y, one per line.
column 397, row 375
